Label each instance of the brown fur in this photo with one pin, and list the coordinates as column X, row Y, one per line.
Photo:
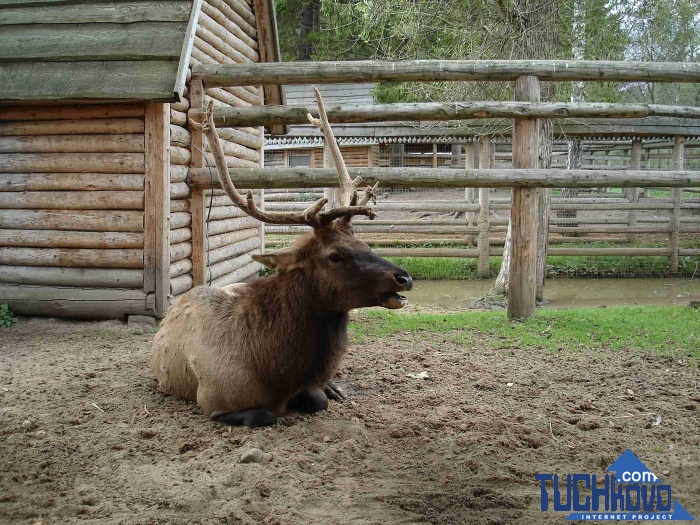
column 256, row 345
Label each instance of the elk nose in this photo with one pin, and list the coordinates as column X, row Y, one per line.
column 404, row 280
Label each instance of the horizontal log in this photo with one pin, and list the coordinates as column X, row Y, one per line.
column 440, row 111
column 609, row 229
column 234, row 250
column 69, row 239
column 180, row 235
column 105, row 126
column 179, row 190
column 224, row 212
column 620, row 252
column 231, row 225
column 179, row 118
column 444, row 70
column 72, row 200
column 180, row 220
column 73, row 220
column 426, row 252
column 182, row 106
column 225, row 239
column 127, row 12
column 79, row 277
column 178, row 173
column 54, row 112
column 180, row 267
column 180, row 136
column 235, row 97
column 180, row 284
column 90, row 303
column 231, row 149
column 73, row 181
column 72, row 162
column 180, row 156
column 73, row 144
column 238, row 275
column 179, row 206
column 230, row 265
column 689, row 252
column 72, row 257
column 106, row 42
column 269, row 178
column 180, row 251
column 243, row 138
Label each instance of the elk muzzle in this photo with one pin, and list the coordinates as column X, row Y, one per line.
column 392, row 299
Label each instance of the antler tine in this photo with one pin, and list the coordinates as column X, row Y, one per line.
column 309, row 216
column 347, row 185
column 370, row 195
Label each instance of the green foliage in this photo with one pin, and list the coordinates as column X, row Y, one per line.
column 6, row 317
column 663, row 330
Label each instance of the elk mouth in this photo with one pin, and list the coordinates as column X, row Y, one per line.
column 392, row 300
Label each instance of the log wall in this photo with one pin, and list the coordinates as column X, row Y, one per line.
column 72, row 200
column 211, row 240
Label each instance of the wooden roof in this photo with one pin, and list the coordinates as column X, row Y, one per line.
column 101, row 49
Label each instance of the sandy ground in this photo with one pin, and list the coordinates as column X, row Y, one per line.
column 86, row 437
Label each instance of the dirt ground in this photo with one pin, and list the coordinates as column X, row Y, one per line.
column 85, row 436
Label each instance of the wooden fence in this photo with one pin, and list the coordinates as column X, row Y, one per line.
column 525, row 178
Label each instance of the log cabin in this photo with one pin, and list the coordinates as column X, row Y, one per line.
column 96, row 218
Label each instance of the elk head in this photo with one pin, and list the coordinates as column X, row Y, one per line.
column 345, row 273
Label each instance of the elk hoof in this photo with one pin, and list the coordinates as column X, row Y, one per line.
column 253, row 418
column 334, row 391
column 309, row 400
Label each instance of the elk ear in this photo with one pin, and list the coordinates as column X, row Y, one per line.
column 282, row 260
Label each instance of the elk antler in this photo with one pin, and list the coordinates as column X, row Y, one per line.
column 311, row 216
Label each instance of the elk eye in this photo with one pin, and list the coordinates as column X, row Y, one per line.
column 334, row 257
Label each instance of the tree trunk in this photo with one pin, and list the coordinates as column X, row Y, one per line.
column 543, row 200
column 308, row 22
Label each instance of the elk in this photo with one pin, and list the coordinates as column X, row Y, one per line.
column 248, row 352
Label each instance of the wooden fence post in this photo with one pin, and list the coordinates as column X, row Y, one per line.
column 676, row 194
column 483, row 221
column 522, row 278
column 197, row 205
column 633, row 193
column 156, row 245
column 435, row 155
column 469, row 193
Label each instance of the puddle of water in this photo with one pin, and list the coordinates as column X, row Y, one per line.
column 563, row 292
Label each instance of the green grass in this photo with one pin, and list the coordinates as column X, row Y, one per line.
column 662, row 330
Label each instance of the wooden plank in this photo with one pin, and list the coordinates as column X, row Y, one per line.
column 69, row 42
column 483, row 266
column 633, row 193
column 145, row 80
column 106, row 126
column 271, row 178
column 72, row 200
column 69, row 239
column 441, row 111
column 70, row 182
column 186, row 50
column 132, row 143
column 674, row 241
column 522, row 278
column 127, row 12
column 197, row 205
column 72, row 162
column 156, row 250
column 72, row 257
column 89, row 303
column 71, row 111
column 444, row 70
column 78, row 277
column 73, row 220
